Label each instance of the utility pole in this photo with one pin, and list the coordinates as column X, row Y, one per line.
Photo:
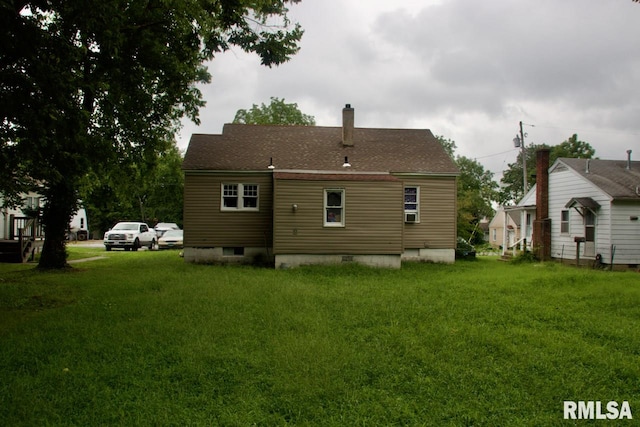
column 518, row 141
column 524, row 161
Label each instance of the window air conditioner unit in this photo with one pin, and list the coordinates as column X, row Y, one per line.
column 411, row 217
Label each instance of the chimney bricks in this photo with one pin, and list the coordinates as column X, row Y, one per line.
column 348, row 121
column 542, row 223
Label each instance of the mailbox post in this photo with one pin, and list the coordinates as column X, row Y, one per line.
column 578, row 240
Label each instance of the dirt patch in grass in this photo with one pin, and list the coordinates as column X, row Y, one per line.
column 25, row 291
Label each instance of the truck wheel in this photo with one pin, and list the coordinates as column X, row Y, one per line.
column 152, row 244
column 108, row 248
column 136, row 245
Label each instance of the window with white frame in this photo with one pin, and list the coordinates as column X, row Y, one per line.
column 334, row 207
column 412, row 204
column 237, row 197
column 31, row 202
column 589, row 225
column 564, row 221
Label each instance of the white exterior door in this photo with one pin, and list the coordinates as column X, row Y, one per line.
column 589, row 233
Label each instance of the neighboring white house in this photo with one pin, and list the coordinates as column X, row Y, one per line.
column 501, row 237
column 78, row 226
column 594, row 205
column 31, row 201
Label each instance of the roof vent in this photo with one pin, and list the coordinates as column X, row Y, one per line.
column 628, row 159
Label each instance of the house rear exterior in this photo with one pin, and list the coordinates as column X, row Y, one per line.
column 299, row 195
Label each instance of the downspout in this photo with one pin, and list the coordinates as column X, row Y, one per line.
column 523, row 229
column 271, row 254
column 504, row 231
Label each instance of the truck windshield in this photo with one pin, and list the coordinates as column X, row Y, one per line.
column 125, row 226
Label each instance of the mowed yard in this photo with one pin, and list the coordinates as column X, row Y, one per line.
column 145, row 339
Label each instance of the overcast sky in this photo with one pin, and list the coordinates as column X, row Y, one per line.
column 467, row 70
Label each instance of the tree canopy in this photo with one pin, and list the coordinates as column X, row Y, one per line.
column 276, row 113
column 90, row 86
column 512, row 180
column 149, row 192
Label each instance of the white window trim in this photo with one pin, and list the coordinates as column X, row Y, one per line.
column 342, row 221
column 417, row 209
column 568, row 221
column 240, row 196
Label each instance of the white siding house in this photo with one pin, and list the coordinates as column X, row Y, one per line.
column 596, row 202
column 31, row 201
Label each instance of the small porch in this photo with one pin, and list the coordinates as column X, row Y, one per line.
column 25, row 238
column 518, row 229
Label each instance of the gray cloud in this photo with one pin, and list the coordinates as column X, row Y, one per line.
column 467, row 70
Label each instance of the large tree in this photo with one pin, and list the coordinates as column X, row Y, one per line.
column 512, row 180
column 101, row 84
column 476, row 190
column 276, row 113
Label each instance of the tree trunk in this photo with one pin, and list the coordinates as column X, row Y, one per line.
column 61, row 203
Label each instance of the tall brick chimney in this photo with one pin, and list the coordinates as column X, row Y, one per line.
column 542, row 223
column 348, row 122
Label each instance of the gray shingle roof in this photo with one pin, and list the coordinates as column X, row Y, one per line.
column 314, row 148
column 611, row 176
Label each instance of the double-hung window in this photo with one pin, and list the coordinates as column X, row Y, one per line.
column 31, row 202
column 237, row 197
column 564, row 221
column 334, row 207
column 412, row 204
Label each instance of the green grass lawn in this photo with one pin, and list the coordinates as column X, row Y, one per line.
column 145, row 339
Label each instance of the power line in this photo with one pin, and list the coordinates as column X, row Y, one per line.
column 576, row 130
column 496, row 154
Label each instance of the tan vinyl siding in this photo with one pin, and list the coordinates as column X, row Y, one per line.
column 205, row 225
column 437, row 227
column 373, row 218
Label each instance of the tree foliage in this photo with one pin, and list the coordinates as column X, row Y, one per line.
column 476, row 192
column 512, row 180
column 276, row 113
column 449, row 146
column 146, row 192
column 91, row 86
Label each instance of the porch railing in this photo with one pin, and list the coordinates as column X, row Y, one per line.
column 522, row 243
column 26, row 230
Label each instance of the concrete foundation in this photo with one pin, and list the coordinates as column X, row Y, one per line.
column 218, row 256
column 446, row 256
column 296, row 260
column 261, row 256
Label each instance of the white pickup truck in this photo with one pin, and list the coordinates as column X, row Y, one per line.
column 130, row 236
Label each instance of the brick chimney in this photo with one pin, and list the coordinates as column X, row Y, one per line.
column 347, row 125
column 542, row 223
